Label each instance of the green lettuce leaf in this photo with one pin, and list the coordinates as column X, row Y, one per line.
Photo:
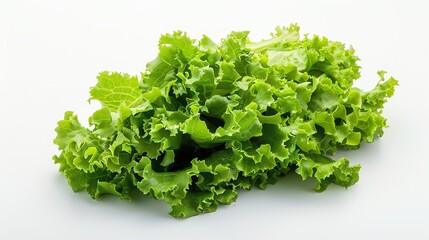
column 115, row 89
column 205, row 120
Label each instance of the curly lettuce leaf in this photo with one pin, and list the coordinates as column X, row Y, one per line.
column 115, row 89
column 206, row 119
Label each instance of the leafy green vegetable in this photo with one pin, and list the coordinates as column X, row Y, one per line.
column 205, row 120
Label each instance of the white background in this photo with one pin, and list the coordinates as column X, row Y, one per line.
column 51, row 51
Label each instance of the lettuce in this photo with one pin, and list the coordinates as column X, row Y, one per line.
column 205, row 120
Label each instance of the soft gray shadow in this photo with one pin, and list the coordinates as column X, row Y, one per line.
column 141, row 206
column 290, row 189
column 365, row 151
column 290, row 192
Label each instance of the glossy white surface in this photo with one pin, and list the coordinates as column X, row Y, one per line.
column 51, row 52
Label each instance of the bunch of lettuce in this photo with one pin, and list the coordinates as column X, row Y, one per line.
column 207, row 119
